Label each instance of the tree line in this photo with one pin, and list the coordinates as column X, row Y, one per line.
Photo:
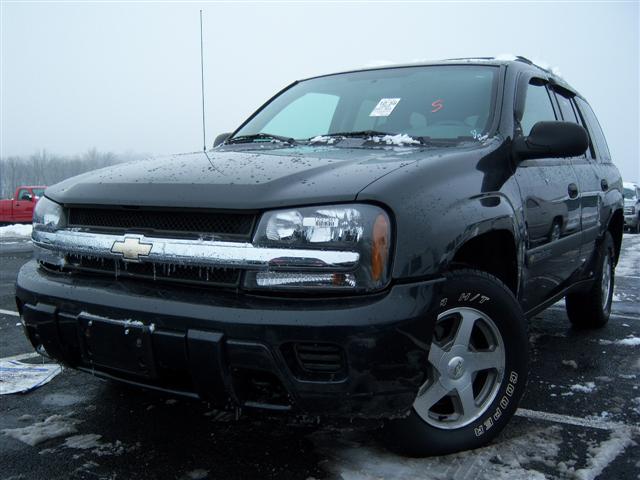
column 43, row 168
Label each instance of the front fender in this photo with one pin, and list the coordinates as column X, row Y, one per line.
column 441, row 203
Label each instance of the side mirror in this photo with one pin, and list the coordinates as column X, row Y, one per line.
column 552, row 140
column 27, row 198
column 221, row 138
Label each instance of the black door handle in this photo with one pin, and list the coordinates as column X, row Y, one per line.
column 604, row 185
column 573, row 190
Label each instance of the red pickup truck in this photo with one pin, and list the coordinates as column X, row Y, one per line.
column 19, row 209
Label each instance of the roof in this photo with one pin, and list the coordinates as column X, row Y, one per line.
column 511, row 60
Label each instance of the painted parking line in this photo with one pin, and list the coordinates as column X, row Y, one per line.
column 9, row 312
column 589, row 422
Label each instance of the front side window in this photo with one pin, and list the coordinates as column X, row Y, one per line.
column 38, row 192
column 537, row 108
column 430, row 102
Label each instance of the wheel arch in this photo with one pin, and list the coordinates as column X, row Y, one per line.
column 494, row 252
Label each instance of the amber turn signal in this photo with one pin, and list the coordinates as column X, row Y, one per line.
column 379, row 247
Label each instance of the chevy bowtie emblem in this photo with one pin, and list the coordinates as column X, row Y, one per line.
column 131, row 248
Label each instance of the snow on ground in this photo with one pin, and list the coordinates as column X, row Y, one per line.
column 83, row 442
column 197, row 474
column 52, row 427
column 351, row 457
column 587, row 387
column 602, row 455
column 630, row 341
column 629, row 263
column 17, row 230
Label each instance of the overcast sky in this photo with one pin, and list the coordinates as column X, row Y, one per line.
column 121, row 77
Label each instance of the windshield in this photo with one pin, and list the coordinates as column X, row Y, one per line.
column 432, row 102
column 629, row 194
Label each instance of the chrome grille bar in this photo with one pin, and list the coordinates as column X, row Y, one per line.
column 193, row 252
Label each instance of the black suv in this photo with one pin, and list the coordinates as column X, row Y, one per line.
column 367, row 244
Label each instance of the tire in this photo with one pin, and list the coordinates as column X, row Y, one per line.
column 591, row 309
column 478, row 303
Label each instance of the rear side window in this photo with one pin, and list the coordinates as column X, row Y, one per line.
column 24, row 194
column 566, row 108
column 537, row 108
column 595, row 131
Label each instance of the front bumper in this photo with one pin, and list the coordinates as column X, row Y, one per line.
column 355, row 356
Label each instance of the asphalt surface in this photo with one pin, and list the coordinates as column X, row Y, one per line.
column 580, row 417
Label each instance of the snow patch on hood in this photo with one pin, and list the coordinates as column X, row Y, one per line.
column 323, row 139
column 399, row 139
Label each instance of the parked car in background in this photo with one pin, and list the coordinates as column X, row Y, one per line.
column 632, row 206
column 19, row 209
column 368, row 244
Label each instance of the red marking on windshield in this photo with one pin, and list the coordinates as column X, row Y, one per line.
column 437, row 105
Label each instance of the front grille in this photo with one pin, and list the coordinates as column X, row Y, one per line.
column 206, row 276
column 186, row 222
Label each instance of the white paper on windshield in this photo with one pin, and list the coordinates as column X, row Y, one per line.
column 384, row 107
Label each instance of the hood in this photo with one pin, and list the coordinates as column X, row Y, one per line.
column 236, row 179
column 630, row 202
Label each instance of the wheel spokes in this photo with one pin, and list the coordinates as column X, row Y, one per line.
column 465, row 327
column 429, row 398
column 466, row 343
column 435, row 354
column 478, row 361
column 467, row 400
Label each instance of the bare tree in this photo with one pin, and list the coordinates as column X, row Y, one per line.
column 43, row 168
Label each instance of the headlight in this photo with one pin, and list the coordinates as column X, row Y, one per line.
column 364, row 229
column 48, row 215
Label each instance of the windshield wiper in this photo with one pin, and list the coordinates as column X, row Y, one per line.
column 369, row 133
column 361, row 133
column 261, row 136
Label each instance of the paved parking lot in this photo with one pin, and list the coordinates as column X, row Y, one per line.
column 579, row 419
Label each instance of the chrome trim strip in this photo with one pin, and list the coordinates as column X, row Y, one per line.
column 197, row 252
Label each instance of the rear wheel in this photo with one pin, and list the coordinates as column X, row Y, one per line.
column 591, row 309
column 477, row 369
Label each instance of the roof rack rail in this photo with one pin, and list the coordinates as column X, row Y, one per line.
column 522, row 59
column 517, row 58
column 469, row 58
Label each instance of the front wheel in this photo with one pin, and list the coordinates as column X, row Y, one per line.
column 477, row 370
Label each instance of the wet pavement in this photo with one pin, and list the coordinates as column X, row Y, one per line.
column 580, row 417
